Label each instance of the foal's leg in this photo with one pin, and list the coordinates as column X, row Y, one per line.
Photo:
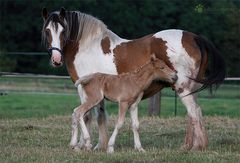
column 196, row 137
column 80, row 112
column 121, row 115
column 135, row 124
column 75, row 121
column 87, row 120
column 102, row 121
column 73, row 142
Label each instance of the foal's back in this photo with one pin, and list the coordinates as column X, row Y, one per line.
column 113, row 87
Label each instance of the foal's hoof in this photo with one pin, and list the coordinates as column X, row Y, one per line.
column 110, row 150
column 87, row 147
column 96, row 148
column 140, row 149
column 75, row 148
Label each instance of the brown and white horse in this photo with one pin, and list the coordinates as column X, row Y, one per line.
column 88, row 46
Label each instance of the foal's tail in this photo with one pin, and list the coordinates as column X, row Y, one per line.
column 216, row 70
column 83, row 80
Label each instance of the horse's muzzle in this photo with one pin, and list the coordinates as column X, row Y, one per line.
column 56, row 57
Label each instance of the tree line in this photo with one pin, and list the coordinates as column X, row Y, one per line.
column 21, row 23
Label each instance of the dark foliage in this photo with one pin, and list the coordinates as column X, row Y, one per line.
column 219, row 21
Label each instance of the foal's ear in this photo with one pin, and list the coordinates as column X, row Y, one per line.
column 153, row 58
column 62, row 13
column 44, row 13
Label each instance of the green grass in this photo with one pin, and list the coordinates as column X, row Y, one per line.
column 47, row 139
column 27, row 105
column 35, row 126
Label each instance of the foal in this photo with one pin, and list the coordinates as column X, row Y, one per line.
column 126, row 89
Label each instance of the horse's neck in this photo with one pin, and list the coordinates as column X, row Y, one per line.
column 145, row 76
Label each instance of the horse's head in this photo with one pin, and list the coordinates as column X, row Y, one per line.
column 54, row 34
column 162, row 71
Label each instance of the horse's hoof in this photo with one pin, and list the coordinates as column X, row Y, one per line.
column 184, row 148
column 110, row 150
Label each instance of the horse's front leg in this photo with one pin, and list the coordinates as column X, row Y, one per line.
column 102, row 127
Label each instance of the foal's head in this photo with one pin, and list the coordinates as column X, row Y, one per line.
column 162, row 72
column 54, row 34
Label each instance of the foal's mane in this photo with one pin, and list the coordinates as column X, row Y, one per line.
column 139, row 68
column 78, row 27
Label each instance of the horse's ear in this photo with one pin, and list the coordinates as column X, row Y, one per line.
column 44, row 13
column 153, row 58
column 62, row 13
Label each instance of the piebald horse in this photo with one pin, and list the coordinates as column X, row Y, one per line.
column 88, row 46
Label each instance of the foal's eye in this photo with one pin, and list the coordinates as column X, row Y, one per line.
column 161, row 68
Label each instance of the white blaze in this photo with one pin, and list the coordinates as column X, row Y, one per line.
column 56, row 56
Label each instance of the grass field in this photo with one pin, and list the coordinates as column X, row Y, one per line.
column 47, row 139
column 35, row 126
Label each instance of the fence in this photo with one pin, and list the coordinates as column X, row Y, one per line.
column 68, row 86
column 154, row 103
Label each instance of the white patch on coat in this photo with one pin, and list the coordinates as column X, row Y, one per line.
column 177, row 54
column 91, row 59
column 55, row 34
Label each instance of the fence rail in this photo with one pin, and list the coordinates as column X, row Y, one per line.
column 29, row 75
column 154, row 106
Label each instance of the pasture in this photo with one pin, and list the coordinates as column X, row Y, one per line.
column 35, row 126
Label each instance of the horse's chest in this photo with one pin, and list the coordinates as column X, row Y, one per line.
column 93, row 61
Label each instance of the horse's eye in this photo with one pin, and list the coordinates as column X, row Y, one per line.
column 47, row 32
column 161, row 68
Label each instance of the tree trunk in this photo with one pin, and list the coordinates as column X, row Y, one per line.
column 154, row 105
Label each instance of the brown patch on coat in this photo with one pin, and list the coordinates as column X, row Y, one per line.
column 70, row 51
column 191, row 47
column 105, row 43
column 194, row 52
column 48, row 36
column 131, row 55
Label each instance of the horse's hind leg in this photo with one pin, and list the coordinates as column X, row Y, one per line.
column 102, row 121
column 196, row 137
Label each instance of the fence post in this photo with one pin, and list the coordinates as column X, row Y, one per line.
column 154, row 105
column 175, row 111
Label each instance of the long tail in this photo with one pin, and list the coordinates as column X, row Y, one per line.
column 216, row 69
